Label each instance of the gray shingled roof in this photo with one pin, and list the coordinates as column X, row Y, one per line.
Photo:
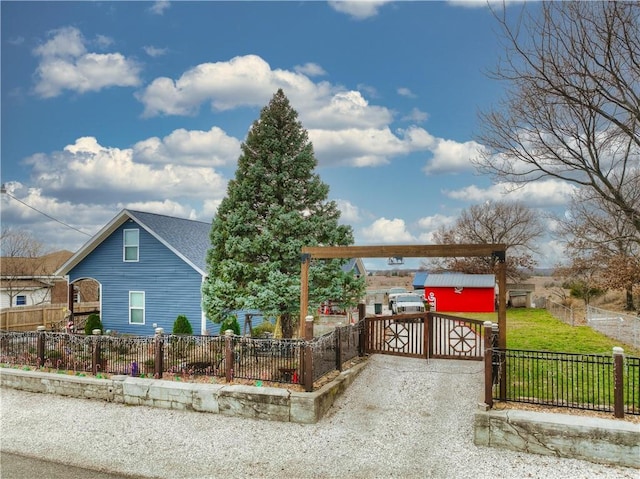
column 187, row 237
column 459, row 280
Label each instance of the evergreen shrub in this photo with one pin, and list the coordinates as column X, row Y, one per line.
column 182, row 325
column 93, row 322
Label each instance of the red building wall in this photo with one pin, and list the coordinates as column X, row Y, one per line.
column 450, row 299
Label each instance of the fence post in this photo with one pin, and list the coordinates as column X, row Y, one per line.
column 96, row 360
column 618, row 382
column 158, row 363
column 228, row 354
column 488, row 366
column 308, row 354
column 40, row 345
column 362, row 337
column 429, row 327
column 338, row 339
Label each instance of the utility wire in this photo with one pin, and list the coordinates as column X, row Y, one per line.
column 4, row 191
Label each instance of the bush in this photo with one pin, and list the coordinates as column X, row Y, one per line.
column 93, row 322
column 264, row 327
column 182, row 326
column 230, row 322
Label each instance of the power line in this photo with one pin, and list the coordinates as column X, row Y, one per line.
column 4, row 191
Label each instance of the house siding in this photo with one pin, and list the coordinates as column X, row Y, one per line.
column 170, row 285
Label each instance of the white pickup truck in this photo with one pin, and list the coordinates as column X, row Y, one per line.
column 408, row 303
column 392, row 294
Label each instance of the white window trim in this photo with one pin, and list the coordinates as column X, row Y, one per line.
column 125, row 246
column 144, row 308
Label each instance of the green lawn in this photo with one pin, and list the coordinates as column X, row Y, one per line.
column 584, row 382
column 537, row 330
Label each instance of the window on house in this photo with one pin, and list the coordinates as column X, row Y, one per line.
column 131, row 245
column 136, row 307
column 21, row 300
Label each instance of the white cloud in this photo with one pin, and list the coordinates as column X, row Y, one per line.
column 158, row 8
column 416, row 115
column 189, row 147
column 541, row 193
column 310, row 69
column 103, row 41
column 349, row 213
column 250, row 81
column 406, row 92
column 366, row 147
column 430, row 224
column 450, row 156
column 87, row 169
column 155, row 52
column 344, row 110
column 65, row 64
column 242, row 81
column 358, row 9
column 387, row 231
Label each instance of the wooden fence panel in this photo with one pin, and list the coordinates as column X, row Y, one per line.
column 51, row 316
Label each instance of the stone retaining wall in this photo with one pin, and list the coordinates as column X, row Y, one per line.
column 273, row 404
column 607, row 441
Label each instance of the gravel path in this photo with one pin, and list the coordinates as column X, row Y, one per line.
column 401, row 418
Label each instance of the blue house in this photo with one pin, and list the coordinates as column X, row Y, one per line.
column 150, row 269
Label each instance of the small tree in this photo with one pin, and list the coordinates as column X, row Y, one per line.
column 182, row 325
column 93, row 322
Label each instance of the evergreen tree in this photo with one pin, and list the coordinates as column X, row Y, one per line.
column 275, row 205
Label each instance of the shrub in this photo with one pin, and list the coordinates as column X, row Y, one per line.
column 264, row 327
column 182, row 325
column 93, row 322
column 230, row 322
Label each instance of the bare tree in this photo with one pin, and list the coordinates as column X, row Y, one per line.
column 512, row 224
column 572, row 104
column 21, row 261
column 593, row 229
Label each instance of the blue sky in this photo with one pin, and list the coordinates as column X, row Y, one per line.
column 144, row 105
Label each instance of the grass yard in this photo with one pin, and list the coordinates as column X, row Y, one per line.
column 576, row 380
column 537, row 330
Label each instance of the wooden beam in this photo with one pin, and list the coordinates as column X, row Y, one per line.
column 405, row 251
column 304, row 291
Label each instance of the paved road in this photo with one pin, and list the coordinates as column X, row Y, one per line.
column 13, row 466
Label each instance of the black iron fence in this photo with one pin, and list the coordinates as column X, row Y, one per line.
column 598, row 382
column 289, row 361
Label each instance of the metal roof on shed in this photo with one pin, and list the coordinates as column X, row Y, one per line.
column 456, row 280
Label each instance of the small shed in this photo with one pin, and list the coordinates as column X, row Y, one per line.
column 458, row 292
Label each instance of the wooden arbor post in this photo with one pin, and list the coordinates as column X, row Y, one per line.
column 409, row 251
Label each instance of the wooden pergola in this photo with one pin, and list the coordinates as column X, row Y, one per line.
column 409, row 251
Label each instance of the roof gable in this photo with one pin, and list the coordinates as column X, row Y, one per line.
column 188, row 239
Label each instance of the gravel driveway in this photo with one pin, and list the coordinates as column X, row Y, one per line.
column 401, row 418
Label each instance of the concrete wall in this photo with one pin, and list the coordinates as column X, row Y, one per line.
column 273, row 404
column 607, row 441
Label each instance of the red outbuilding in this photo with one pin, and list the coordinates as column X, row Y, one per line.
column 457, row 292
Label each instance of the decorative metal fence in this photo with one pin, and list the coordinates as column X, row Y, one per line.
column 623, row 327
column 581, row 381
column 275, row 360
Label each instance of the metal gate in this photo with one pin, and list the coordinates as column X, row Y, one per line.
column 425, row 335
